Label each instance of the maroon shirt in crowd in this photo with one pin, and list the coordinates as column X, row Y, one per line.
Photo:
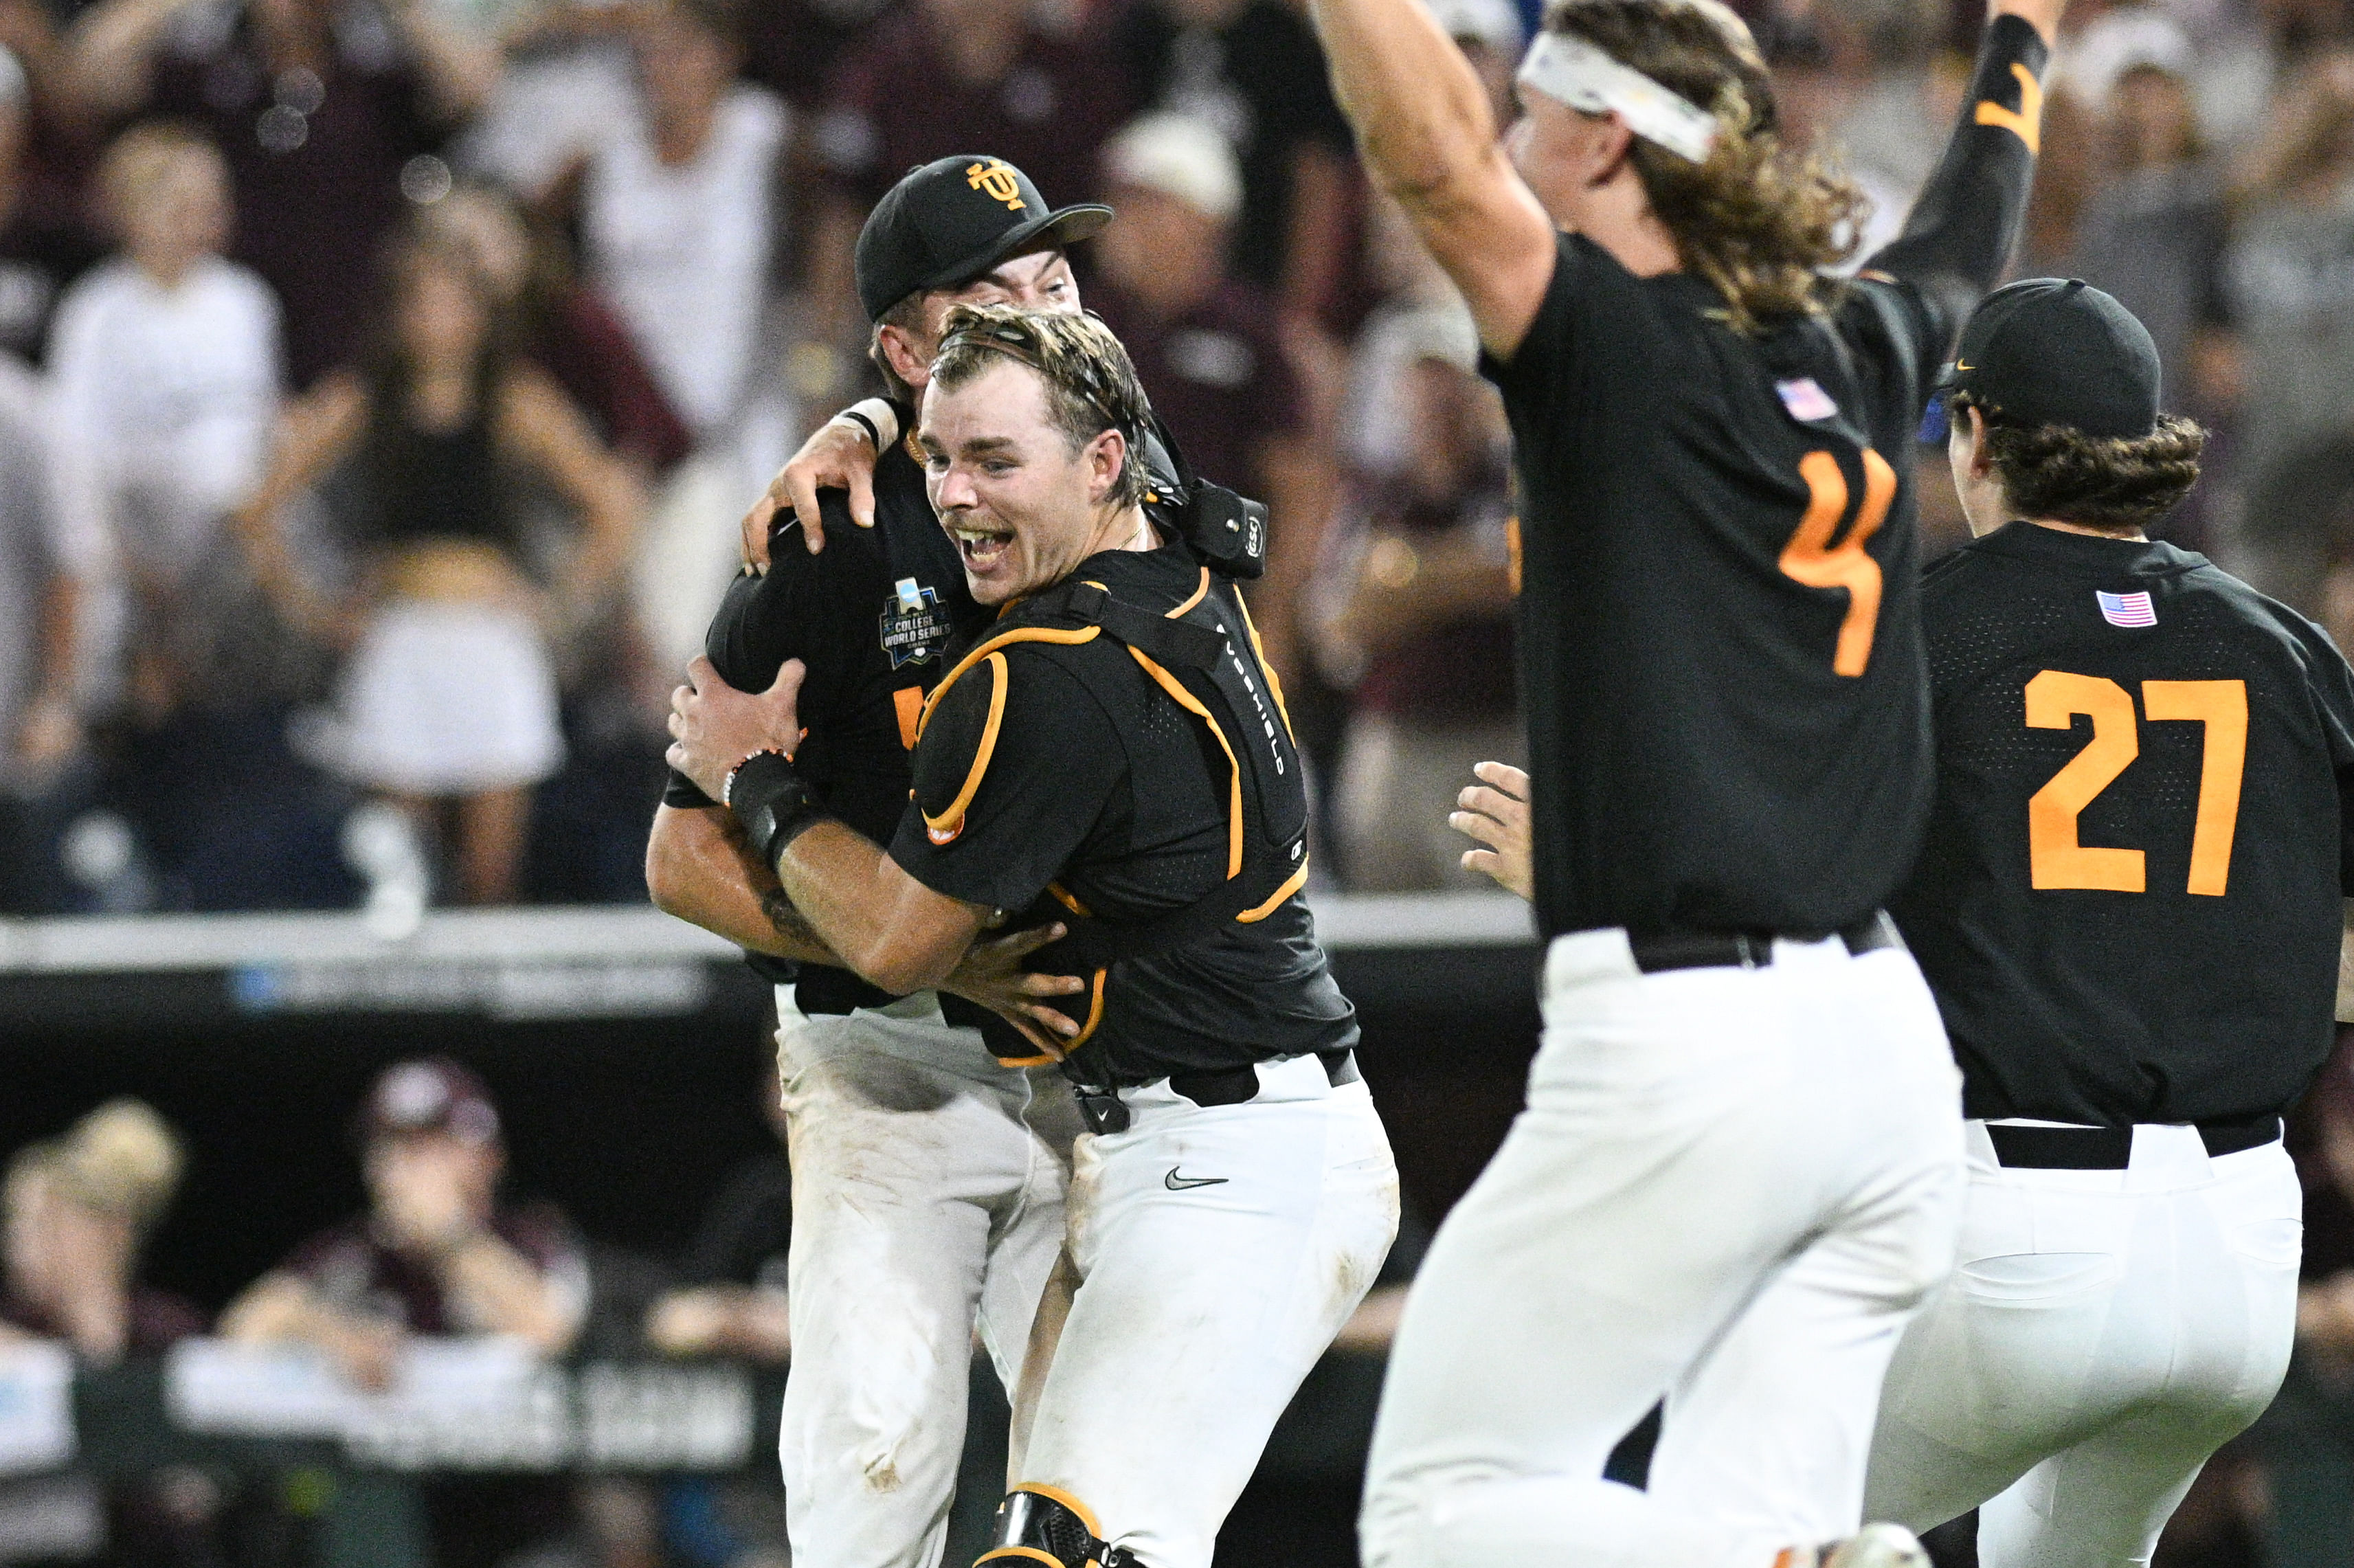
column 1217, row 376
column 316, row 163
column 896, row 102
column 1461, row 671
column 355, row 1269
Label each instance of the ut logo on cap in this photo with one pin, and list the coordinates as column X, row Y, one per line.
column 996, row 178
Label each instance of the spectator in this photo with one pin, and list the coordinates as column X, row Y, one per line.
column 680, row 209
column 1207, row 346
column 1415, row 613
column 2289, row 268
column 44, row 243
column 448, row 699
column 165, row 381
column 1252, row 71
column 564, row 326
column 323, row 108
column 734, row 1300
column 436, row 1253
column 939, row 78
column 2153, row 232
column 1489, row 33
column 1819, row 75
column 77, row 1211
column 54, row 557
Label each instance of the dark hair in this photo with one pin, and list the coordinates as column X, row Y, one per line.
column 1091, row 384
column 1755, row 219
column 393, row 451
column 2117, row 485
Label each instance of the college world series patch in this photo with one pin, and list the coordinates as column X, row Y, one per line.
column 915, row 627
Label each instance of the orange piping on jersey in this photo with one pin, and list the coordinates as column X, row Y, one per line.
column 1003, row 639
column 1028, row 1554
column 1512, row 553
column 2026, row 121
column 952, row 820
column 1055, row 1494
column 908, row 701
column 1200, row 591
column 1192, row 704
column 1087, row 1033
column 1291, row 884
column 1063, row 896
column 1274, row 680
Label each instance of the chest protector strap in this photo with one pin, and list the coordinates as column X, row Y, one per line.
column 1203, row 657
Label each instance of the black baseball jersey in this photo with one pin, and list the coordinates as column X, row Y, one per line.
column 870, row 615
column 1720, row 648
column 2130, row 900
column 1069, row 773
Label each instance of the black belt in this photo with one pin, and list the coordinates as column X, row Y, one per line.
column 1659, row 950
column 2111, row 1148
column 1105, row 1111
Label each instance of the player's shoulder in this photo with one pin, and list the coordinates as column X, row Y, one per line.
column 1009, row 692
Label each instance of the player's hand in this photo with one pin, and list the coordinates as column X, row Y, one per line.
column 1496, row 813
column 990, row 974
column 837, row 456
column 713, row 726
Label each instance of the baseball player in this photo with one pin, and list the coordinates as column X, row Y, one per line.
column 929, row 1145
column 2129, row 906
column 1112, row 753
column 1739, row 1168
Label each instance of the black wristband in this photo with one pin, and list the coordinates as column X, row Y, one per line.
column 773, row 803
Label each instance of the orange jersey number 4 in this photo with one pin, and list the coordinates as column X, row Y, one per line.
column 1811, row 558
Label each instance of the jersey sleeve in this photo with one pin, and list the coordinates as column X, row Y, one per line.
column 1957, row 242
column 1014, row 774
column 1564, row 330
column 783, row 613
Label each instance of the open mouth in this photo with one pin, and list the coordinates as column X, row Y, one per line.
column 981, row 547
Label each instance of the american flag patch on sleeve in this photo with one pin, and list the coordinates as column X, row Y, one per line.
column 2126, row 609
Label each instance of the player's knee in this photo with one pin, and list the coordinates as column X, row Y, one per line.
column 1039, row 1524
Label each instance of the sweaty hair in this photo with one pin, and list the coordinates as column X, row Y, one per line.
column 1091, row 384
column 2117, row 485
column 1758, row 219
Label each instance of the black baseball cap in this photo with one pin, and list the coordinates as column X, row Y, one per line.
column 951, row 220
column 2052, row 351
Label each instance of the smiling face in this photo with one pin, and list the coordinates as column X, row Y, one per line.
column 1022, row 506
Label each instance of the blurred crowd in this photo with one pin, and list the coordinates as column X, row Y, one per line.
column 442, row 1250
column 381, row 381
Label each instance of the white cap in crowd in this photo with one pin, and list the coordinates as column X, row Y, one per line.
column 2090, row 65
column 1493, row 23
column 1182, row 156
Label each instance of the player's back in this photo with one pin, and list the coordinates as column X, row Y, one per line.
column 1720, row 655
column 2130, row 902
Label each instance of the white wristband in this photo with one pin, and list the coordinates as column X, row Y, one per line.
column 875, row 416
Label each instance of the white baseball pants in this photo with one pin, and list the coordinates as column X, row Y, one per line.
column 928, row 1187
column 1731, row 1188
column 2105, row 1332
column 1199, row 1308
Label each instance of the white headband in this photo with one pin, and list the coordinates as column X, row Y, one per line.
column 1574, row 73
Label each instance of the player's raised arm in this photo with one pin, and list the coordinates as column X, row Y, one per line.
column 1428, row 137
column 1957, row 242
